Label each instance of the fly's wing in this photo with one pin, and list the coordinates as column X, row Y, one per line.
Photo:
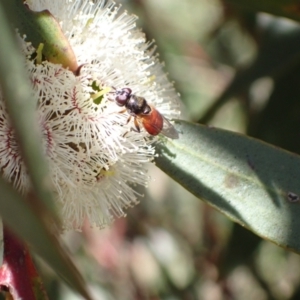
column 169, row 130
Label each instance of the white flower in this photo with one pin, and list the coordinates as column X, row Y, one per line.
column 94, row 157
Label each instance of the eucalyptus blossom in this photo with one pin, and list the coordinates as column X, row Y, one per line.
column 96, row 160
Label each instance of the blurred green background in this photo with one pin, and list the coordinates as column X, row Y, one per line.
column 234, row 69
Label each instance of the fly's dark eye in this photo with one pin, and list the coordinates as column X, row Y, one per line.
column 127, row 90
column 122, row 96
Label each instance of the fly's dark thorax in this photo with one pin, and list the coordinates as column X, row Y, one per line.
column 137, row 105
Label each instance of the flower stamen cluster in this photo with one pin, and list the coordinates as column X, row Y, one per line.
column 95, row 159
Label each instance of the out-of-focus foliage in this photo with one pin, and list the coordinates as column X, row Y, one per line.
column 237, row 69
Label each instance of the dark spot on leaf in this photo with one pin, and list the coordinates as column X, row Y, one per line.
column 231, row 181
column 292, row 197
column 250, row 163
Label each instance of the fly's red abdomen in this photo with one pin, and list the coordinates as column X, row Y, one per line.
column 153, row 122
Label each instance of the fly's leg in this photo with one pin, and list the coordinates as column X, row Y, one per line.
column 137, row 127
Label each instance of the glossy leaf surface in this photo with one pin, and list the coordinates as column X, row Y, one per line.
column 255, row 184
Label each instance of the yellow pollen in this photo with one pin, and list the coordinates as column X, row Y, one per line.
column 39, row 53
column 101, row 93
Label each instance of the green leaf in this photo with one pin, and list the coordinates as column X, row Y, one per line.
column 21, row 106
column 42, row 28
column 30, row 226
column 253, row 183
column 28, row 220
column 285, row 8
